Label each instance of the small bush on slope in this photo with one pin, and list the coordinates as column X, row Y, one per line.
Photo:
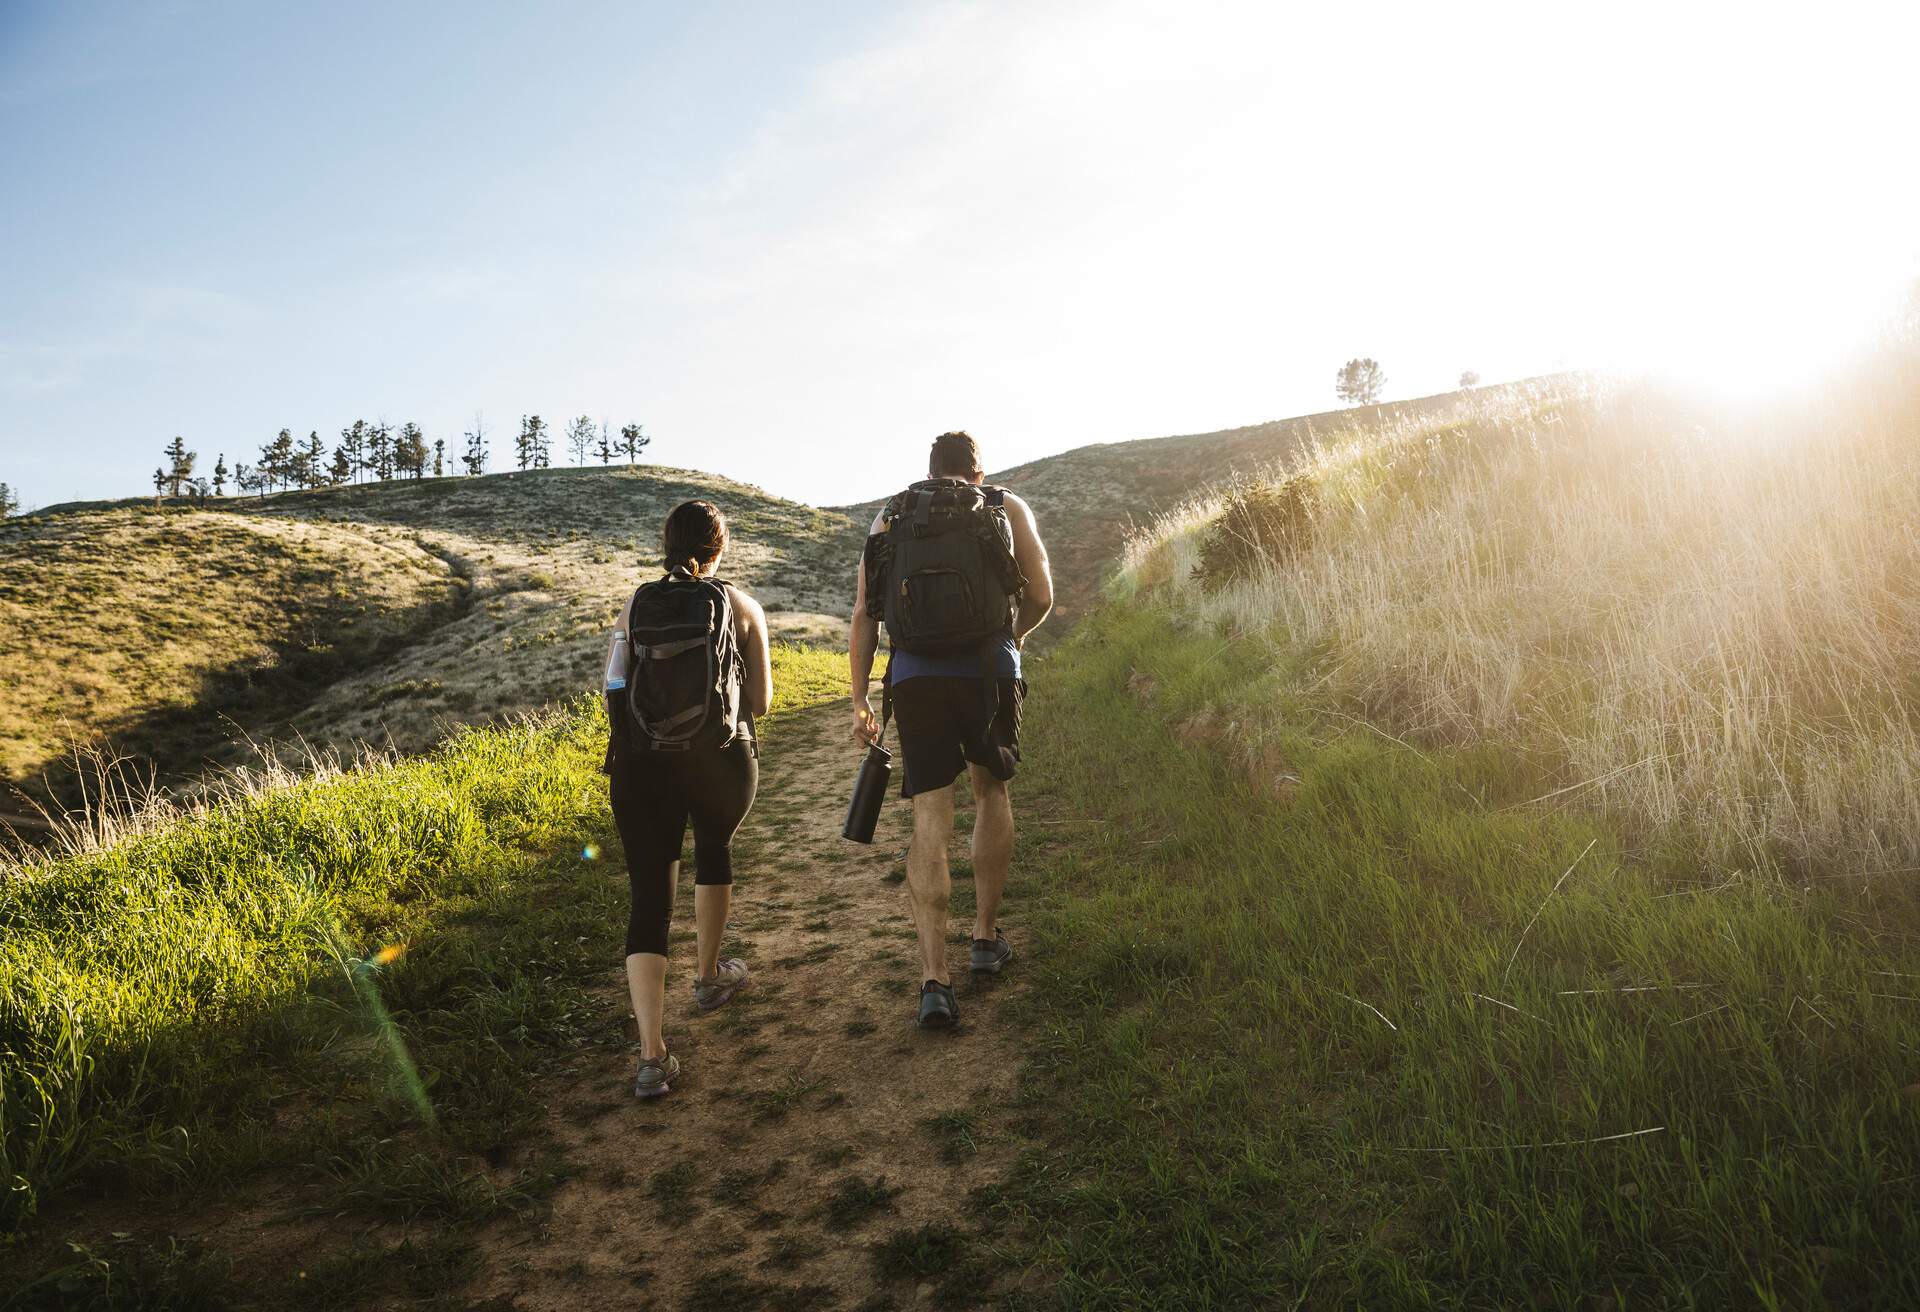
column 1261, row 525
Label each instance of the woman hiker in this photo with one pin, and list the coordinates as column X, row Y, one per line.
column 687, row 673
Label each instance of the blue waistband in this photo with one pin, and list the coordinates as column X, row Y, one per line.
column 959, row 665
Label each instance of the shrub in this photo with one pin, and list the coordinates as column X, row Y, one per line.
column 1261, row 524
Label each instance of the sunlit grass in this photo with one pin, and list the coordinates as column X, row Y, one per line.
column 1704, row 622
column 1322, row 1019
column 158, row 987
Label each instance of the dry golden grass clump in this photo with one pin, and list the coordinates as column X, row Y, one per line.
column 1704, row 618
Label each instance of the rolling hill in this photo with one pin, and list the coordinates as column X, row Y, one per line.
column 1090, row 499
column 1364, row 961
column 384, row 613
column 390, row 613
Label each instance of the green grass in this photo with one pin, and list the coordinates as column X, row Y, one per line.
column 386, row 956
column 919, row 1254
column 957, row 1131
column 855, row 1199
column 1361, row 1043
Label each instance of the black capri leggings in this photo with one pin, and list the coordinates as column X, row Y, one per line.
column 654, row 795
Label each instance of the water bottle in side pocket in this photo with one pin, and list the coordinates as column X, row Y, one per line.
column 614, row 687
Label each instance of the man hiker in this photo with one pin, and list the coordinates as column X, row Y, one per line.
column 957, row 570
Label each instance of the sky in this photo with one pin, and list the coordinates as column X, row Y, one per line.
column 797, row 241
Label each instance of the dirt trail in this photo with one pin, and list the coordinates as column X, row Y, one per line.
column 803, row 1130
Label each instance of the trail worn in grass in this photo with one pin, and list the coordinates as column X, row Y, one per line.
column 794, row 1152
column 387, row 1061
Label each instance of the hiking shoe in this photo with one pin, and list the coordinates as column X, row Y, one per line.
column 989, row 955
column 717, row 988
column 938, row 1010
column 655, row 1077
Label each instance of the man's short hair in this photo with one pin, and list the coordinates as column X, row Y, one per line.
column 954, row 455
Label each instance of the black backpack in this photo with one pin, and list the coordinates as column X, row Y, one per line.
column 684, row 672
column 943, row 575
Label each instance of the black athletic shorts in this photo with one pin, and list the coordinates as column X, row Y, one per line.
column 946, row 722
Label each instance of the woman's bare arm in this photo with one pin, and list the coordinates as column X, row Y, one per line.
column 751, row 633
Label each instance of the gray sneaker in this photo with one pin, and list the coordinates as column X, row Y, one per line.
column 989, row 955
column 655, row 1077
column 718, row 988
column 938, row 1010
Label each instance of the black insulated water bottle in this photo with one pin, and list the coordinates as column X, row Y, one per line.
column 869, row 791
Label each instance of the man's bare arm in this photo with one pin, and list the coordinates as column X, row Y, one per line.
column 1031, row 554
column 863, row 643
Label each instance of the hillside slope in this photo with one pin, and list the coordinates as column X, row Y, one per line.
column 386, row 613
column 1492, row 887
column 146, row 626
column 1088, row 500
column 552, row 555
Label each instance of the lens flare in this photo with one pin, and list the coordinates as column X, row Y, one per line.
column 389, row 954
column 590, row 853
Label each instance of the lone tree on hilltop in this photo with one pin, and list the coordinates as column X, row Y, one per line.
column 580, row 439
column 439, row 456
column 475, row 458
column 179, row 466
column 9, row 502
column 159, row 483
column 1469, row 379
column 633, row 442
column 1359, row 382
column 220, row 473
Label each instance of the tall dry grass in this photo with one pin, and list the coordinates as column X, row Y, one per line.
column 1705, row 619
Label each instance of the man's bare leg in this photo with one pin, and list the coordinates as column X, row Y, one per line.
column 928, row 882
column 992, row 847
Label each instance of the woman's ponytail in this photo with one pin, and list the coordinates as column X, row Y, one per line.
column 696, row 534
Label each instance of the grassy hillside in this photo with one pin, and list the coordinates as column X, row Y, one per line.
column 1497, row 890
column 1467, row 866
column 148, row 625
column 387, row 613
column 553, row 555
column 1090, row 500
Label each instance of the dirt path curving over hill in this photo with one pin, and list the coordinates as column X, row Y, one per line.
column 813, row 1122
